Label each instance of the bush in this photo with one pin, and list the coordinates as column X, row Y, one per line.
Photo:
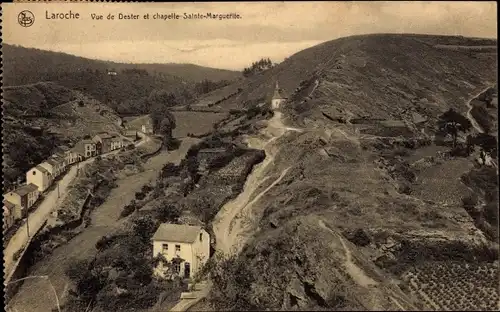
column 172, row 144
column 140, row 195
column 170, row 170
column 168, row 213
column 146, row 188
column 127, row 210
column 80, row 103
column 460, row 151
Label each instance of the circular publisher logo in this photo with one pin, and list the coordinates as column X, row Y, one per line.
column 26, row 18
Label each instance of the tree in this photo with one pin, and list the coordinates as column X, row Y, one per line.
column 144, row 228
column 167, row 212
column 163, row 123
column 257, row 67
column 452, row 122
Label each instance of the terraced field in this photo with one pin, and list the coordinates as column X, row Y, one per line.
column 455, row 286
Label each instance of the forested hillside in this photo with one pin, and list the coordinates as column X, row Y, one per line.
column 37, row 118
column 125, row 92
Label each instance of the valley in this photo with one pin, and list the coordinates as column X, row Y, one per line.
column 349, row 194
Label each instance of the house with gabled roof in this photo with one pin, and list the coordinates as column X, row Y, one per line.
column 131, row 134
column 60, row 157
column 190, row 244
column 87, row 148
column 11, row 213
column 55, row 165
column 24, row 196
column 103, row 142
column 116, row 142
column 69, row 155
column 39, row 176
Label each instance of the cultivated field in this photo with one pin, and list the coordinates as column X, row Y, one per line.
column 455, row 286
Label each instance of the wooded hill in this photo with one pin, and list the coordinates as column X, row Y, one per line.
column 132, row 82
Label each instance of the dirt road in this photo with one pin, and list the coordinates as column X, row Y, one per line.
column 50, row 203
column 33, row 295
column 228, row 225
column 469, row 115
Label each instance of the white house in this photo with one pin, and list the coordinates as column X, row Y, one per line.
column 39, row 176
column 54, row 165
column 116, row 143
column 278, row 98
column 190, row 243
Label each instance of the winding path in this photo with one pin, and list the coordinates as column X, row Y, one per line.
column 469, row 105
column 228, row 226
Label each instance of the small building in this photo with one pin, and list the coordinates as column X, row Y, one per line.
column 87, row 148
column 71, row 157
column 131, row 134
column 55, row 165
column 116, row 142
column 11, row 213
column 147, row 128
column 104, row 140
column 40, row 177
column 278, row 98
column 61, row 159
column 189, row 243
column 24, row 197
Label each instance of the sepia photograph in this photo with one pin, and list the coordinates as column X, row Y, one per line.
column 250, row 156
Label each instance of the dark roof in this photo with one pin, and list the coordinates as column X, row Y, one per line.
column 25, row 189
column 177, row 233
column 104, row 135
column 52, row 161
column 78, row 148
column 42, row 169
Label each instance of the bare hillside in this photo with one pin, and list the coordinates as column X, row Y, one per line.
column 368, row 212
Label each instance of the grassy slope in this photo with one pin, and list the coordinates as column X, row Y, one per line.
column 376, row 76
column 39, row 117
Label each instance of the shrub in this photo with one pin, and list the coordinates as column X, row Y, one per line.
column 140, row 195
column 127, row 210
column 168, row 213
column 170, row 170
column 172, row 144
column 80, row 103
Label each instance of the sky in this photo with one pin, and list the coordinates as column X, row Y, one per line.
column 265, row 29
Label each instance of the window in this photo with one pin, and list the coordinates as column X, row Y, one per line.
column 34, row 172
column 164, row 247
column 178, row 248
column 177, row 266
column 201, row 237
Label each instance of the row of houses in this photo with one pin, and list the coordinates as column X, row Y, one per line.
column 16, row 203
